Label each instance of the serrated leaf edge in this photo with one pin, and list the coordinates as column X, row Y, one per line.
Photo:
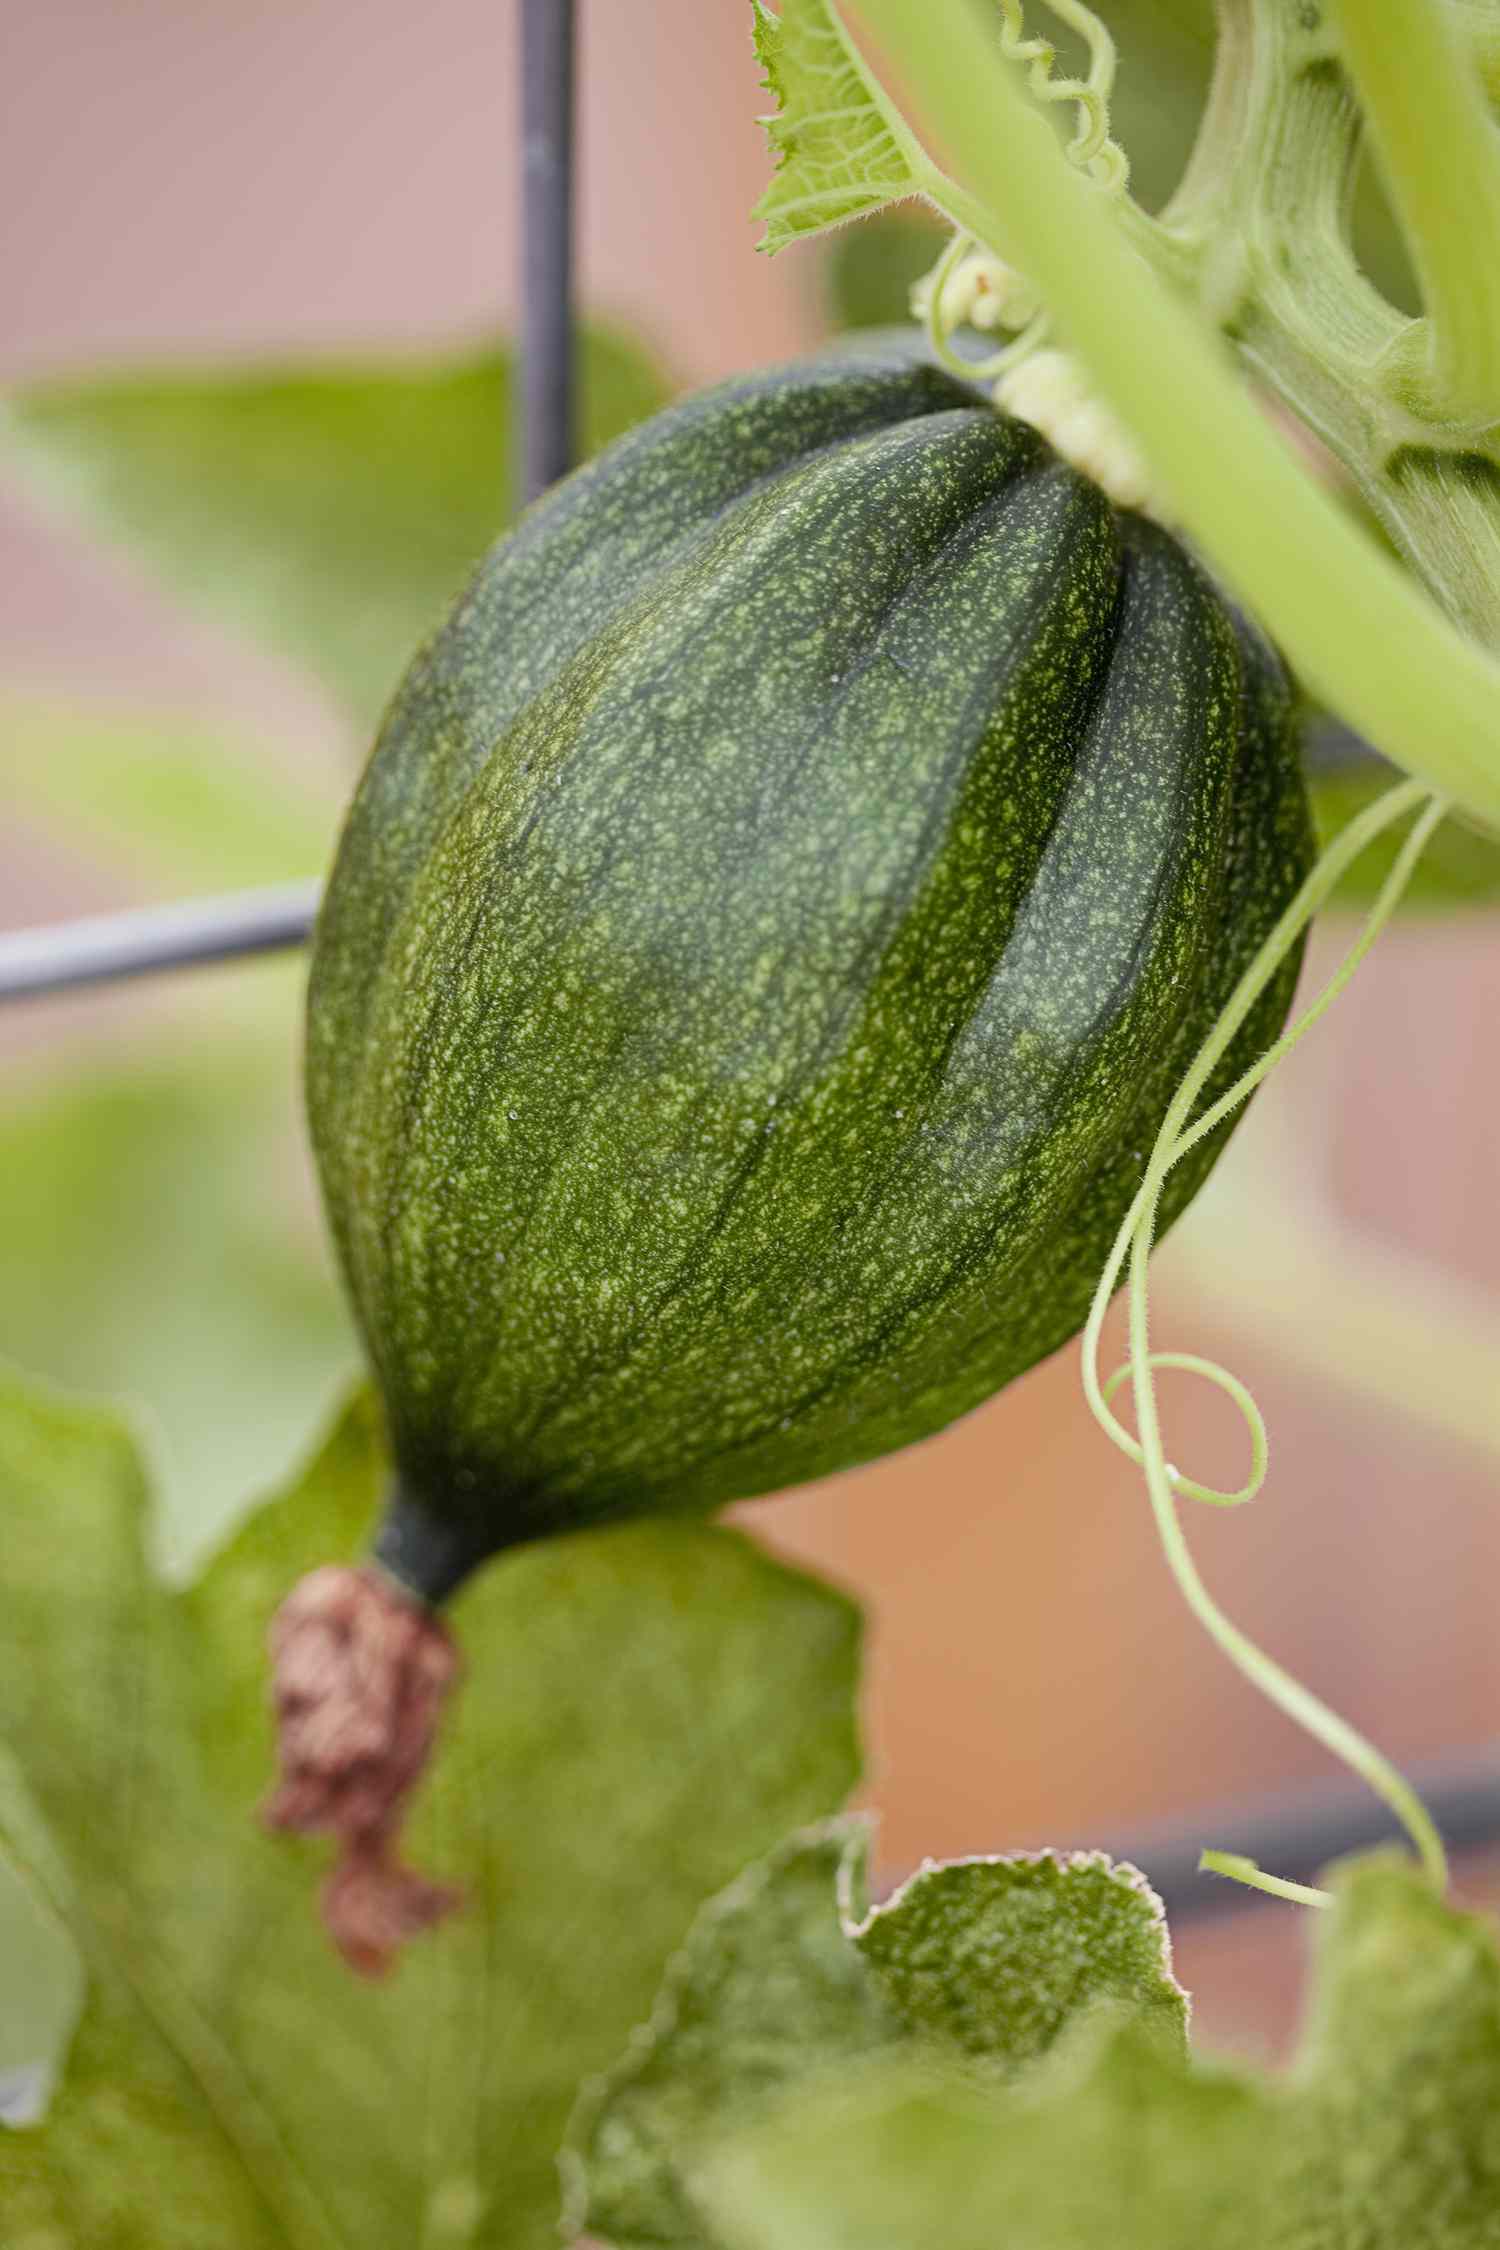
column 781, row 125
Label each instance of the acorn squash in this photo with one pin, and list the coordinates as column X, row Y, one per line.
column 778, row 909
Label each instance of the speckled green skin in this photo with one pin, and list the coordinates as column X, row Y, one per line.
column 778, row 909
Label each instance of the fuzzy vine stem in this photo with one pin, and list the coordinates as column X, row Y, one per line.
column 1135, row 1240
column 1441, row 155
column 1362, row 636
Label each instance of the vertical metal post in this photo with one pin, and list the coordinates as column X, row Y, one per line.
column 547, row 374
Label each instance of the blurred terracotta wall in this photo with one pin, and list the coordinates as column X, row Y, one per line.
column 202, row 177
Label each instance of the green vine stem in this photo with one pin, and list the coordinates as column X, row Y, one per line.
column 1362, row 635
column 1165, row 1484
column 1441, row 154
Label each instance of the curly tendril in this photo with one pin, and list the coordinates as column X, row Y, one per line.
column 1186, row 1488
column 1091, row 148
column 941, row 298
column 1166, row 1484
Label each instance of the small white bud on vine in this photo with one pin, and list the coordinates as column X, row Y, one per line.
column 979, row 290
column 1049, row 390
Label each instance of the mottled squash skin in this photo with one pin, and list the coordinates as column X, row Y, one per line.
column 777, row 911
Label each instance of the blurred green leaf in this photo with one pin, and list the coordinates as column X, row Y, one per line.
column 1384, row 2136
column 162, row 801
column 334, row 510
column 1139, row 2158
column 870, row 268
column 152, row 1249
column 789, row 1980
column 41, row 1987
column 643, row 1710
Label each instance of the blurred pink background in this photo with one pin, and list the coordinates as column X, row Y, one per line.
column 199, row 178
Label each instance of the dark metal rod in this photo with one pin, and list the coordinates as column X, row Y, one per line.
column 106, row 947
column 547, row 369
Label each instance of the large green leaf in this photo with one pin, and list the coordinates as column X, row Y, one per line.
column 1384, row 2136
column 643, row 1711
column 333, row 509
column 790, row 1980
column 1138, row 2158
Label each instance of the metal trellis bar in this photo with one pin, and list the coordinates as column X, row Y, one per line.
column 547, row 179
column 105, row 947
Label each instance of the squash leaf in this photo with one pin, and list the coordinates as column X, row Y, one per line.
column 1382, row 2137
column 1140, row 2158
column 789, row 1981
column 333, row 510
column 644, row 1709
column 841, row 148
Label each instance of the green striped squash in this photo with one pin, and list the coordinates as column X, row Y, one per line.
column 779, row 906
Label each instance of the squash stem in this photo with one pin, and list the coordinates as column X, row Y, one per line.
column 426, row 1554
